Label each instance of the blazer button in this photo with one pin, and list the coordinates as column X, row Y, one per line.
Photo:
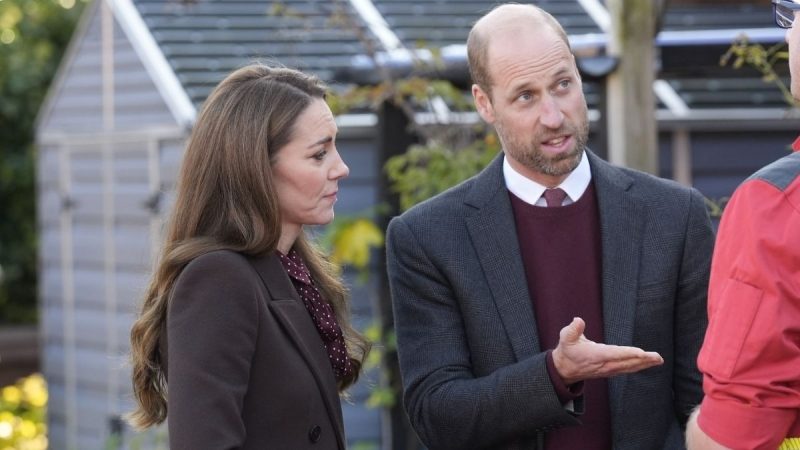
column 314, row 433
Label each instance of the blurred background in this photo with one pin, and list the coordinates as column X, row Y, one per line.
column 97, row 99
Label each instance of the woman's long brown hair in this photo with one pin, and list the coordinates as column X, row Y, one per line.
column 226, row 200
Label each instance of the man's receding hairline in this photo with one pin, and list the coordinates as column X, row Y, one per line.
column 534, row 15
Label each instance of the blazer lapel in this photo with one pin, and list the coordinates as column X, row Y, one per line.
column 621, row 233
column 292, row 314
column 493, row 234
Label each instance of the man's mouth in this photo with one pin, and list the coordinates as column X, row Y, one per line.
column 557, row 145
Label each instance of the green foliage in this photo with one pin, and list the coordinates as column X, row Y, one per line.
column 407, row 93
column 366, row 446
column 33, row 36
column 384, row 343
column 426, row 170
column 350, row 240
column 743, row 53
column 155, row 439
column 22, row 414
column 716, row 207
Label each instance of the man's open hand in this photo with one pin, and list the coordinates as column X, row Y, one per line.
column 577, row 358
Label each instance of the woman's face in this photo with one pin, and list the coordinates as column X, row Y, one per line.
column 307, row 170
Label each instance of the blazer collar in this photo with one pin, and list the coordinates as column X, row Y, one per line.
column 289, row 310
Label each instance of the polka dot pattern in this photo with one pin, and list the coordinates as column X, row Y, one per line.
column 321, row 313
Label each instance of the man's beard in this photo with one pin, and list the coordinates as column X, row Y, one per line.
column 531, row 155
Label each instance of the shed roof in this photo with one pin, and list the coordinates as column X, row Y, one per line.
column 203, row 40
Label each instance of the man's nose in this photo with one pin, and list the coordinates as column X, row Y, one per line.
column 551, row 115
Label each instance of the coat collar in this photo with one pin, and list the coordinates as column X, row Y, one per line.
column 289, row 310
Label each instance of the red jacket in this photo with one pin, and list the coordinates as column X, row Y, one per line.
column 751, row 354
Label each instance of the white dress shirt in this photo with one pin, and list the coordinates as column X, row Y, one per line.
column 531, row 192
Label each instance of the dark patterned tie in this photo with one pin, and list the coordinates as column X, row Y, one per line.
column 321, row 313
column 554, row 197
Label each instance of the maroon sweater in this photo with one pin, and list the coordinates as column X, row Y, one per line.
column 562, row 257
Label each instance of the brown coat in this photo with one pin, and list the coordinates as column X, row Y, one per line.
column 247, row 368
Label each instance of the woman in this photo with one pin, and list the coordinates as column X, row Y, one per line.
column 243, row 341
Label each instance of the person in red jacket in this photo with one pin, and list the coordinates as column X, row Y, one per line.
column 750, row 357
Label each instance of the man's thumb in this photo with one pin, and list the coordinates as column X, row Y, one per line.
column 574, row 330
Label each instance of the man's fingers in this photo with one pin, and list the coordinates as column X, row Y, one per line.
column 627, row 366
column 622, row 353
column 619, row 360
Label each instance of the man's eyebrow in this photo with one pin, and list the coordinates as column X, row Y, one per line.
column 562, row 71
column 565, row 70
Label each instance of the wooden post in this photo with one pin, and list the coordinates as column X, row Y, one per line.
column 631, row 103
column 393, row 139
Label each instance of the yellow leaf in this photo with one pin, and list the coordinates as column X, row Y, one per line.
column 353, row 242
column 12, row 394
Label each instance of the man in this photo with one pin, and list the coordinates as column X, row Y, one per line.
column 512, row 318
column 751, row 354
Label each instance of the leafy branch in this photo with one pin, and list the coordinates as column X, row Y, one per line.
column 742, row 52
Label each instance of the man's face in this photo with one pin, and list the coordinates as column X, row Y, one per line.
column 536, row 104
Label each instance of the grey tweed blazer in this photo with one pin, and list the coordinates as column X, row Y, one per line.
column 473, row 372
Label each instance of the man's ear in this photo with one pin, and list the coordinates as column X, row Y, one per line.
column 575, row 68
column 483, row 104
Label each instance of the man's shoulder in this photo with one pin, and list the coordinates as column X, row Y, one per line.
column 643, row 184
column 781, row 174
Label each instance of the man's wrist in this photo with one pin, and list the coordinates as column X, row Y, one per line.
column 565, row 391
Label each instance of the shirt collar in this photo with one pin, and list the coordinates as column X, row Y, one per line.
column 531, row 192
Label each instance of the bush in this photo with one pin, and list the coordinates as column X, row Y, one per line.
column 22, row 414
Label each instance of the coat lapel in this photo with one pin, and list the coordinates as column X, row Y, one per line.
column 493, row 234
column 621, row 233
column 289, row 310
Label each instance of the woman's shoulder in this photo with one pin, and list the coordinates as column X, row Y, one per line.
column 218, row 258
column 219, row 282
column 225, row 268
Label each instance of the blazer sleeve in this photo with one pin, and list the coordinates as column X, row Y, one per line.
column 690, row 307
column 448, row 406
column 211, row 335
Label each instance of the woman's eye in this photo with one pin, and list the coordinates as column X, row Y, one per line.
column 320, row 155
